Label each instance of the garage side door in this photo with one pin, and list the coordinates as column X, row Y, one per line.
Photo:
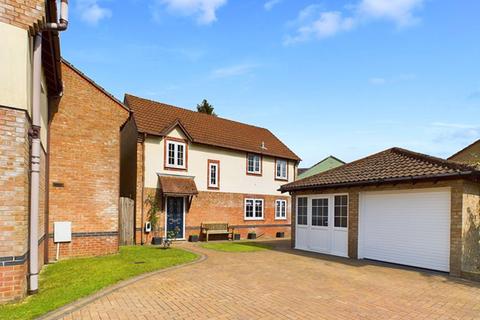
column 410, row 228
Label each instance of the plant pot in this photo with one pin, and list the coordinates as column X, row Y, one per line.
column 252, row 236
column 156, row 241
column 193, row 238
column 280, row 234
column 236, row 236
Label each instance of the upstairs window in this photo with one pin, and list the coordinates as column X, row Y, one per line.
column 280, row 209
column 176, row 154
column 253, row 209
column 213, row 174
column 281, row 170
column 254, row 164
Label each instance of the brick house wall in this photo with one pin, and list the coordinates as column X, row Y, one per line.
column 469, row 155
column 224, row 207
column 465, row 220
column 85, row 167
column 22, row 14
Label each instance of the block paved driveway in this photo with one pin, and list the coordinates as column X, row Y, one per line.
column 286, row 284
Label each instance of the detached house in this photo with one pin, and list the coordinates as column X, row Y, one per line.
column 204, row 168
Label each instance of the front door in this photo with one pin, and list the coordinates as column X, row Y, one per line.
column 175, row 216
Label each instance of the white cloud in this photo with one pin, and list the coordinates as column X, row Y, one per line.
column 233, row 71
column 91, row 12
column 270, row 4
column 377, row 81
column 314, row 23
column 398, row 11
column 203, row 10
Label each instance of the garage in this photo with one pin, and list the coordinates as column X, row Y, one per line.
column 396, row 206
column 406, row 227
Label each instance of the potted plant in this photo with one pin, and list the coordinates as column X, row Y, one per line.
column 193, row 238
column 252, row 235
column 152, row 216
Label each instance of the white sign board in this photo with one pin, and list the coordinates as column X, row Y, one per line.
column 62, row 231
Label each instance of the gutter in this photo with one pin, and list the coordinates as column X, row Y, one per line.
column 382, row 181
column 36, row 145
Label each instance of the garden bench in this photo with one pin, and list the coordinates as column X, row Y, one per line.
column 216, row 228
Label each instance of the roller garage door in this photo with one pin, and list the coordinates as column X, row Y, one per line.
column 410, row 228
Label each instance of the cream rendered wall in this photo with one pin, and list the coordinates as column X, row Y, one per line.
column 15, row 66
column 16, row 57
column 233, row 177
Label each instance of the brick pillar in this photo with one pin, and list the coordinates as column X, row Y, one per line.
column 353, row 205
column 456, row 229
column 293, row 218
column 139, row 193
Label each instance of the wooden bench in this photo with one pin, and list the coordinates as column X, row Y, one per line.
column 216, row 228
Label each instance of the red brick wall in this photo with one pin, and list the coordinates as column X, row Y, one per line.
column 229, row 208
column 85, row 158
column 13, row 282
column 22, row 14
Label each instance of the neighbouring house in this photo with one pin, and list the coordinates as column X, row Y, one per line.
column 328, row 163
column 30, row 81
column 202, row 168
column 469, row 155
column 59, row 150
column 396, row 206
column 84, row 170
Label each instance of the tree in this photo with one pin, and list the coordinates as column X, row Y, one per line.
column 206, row 107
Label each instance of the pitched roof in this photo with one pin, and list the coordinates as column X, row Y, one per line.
column 392, row 165
column 177, row 185
column 469, row 155
column 328, row 163
column 93, row 83
column 154, row 118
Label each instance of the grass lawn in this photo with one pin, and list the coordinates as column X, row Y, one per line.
column 69, row 280
column 237, row 246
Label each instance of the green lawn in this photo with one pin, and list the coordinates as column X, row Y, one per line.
column 237, row 246
column 70, row 280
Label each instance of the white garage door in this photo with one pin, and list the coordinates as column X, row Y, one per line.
column 410, row 228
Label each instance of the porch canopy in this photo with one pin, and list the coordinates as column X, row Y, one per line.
column 171, row 185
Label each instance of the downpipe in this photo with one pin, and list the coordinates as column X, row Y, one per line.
column 36, row 145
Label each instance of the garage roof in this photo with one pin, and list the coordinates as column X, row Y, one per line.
column 392, row 165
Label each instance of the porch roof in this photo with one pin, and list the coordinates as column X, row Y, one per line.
column 177, row 185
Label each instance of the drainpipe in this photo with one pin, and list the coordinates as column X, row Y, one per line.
column 35, row 152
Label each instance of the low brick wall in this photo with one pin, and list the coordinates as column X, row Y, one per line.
column 84, row 245
column 13, row 279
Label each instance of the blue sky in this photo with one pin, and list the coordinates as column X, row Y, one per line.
column 346, row 78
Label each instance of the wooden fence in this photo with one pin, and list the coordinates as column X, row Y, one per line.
column 126, row 225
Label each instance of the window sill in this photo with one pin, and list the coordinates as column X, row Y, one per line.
column 253, row 219
column 175, row 168
column 281, row 179
column 259, row 174
column 281, row 219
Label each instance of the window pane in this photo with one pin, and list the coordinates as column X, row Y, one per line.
column 257, row 163
column 302, row 211
column 341, row 211
column 180, row 154
column 213, row 174
column 320, row 212
column 171, row 154
column 281, row 169
column 249, row 208
column 258, row 208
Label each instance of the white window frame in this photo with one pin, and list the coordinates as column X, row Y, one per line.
column 255, row 156
column 278, row 215
column 254, row 201
column 210, row 165
column 175, row 156
column 278, row 174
